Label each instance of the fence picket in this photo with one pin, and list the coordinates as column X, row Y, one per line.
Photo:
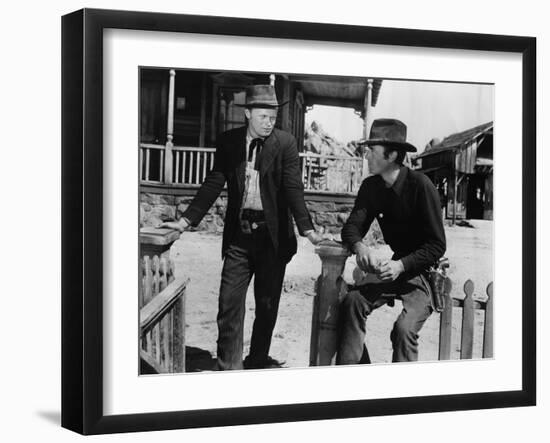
column 488, row 333
column 467, row 341
column 445, row 328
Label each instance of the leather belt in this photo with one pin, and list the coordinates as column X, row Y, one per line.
column 253, row 216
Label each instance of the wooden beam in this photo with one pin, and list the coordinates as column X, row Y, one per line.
column 151, row 313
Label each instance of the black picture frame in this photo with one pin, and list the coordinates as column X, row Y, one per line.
column 82, row 218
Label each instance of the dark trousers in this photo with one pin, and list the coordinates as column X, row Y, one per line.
column 358, row 304
column 247, row 255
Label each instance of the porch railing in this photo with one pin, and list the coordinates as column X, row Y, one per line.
column 190, row 165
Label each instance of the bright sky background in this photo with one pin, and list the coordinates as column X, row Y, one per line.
column 429, row 109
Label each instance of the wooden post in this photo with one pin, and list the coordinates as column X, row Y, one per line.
column 170, row 129
column 368, row 109
column 202, row 132
column 446, row 323
column 467, row 341
column 488, row 332
column 330, row 287
column 178, row 341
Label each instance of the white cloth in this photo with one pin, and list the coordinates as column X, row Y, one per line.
column 252, row 198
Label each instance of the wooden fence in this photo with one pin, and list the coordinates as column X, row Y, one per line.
column 190, row 165
column 468, row 305
column 161, row 317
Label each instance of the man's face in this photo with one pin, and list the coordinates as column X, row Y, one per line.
column 378, row 163
column 261, row 121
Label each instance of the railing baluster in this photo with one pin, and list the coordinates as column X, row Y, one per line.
column 204, row 159
column 141, row 163
column 304, row 175
column 309, row 173
column 183, row 168
column 192, row 168
column 147, row 163
column 177, row 176
column 197, row 165
column 161, row 166
column 211, row 154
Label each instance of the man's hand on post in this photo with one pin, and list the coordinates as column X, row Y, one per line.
column 390, row 270
column 314, row 237
column 180, row 225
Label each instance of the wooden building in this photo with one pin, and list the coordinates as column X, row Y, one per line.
column 183, row 111
column 461, row 167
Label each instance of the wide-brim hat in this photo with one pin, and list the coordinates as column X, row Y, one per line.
column 389, row 132
column 261, row 96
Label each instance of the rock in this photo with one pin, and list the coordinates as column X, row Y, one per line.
column 157, row 199
column 324, row 218
column 321, row 206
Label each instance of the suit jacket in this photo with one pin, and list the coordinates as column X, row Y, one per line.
column 281, row 188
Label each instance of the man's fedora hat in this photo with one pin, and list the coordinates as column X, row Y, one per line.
column 261, row 96
column 389, row 132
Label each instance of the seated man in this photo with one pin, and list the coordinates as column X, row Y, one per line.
column 406, row 205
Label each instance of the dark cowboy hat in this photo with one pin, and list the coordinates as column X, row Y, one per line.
column 389, row 132
column 261, row 96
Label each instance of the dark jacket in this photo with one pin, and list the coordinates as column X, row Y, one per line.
column 409, row 215
column 281, row 188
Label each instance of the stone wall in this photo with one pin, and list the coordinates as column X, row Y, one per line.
column 154, row 208
column 328, row 217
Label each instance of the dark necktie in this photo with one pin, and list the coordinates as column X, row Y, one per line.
column 257, row 144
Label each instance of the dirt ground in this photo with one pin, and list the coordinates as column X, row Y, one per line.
column 198, row 256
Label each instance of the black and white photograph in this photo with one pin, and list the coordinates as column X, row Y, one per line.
column 293, row 220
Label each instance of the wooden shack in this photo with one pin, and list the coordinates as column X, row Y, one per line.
column 461, row 167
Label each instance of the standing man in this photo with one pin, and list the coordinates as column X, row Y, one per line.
column 406, row 205
column 264, row 190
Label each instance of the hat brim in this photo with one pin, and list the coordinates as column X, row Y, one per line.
column 261, row 105
column 394, row 144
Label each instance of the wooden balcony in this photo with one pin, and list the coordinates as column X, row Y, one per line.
column 189, row 167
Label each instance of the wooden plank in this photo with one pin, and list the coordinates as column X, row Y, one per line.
column 164, row 323
column 196, row 166
column 141, row 164
column 488, row 332
column 147, row 163
column 148, row 295
column 169, row 340
column 156, row 338
column 150, row 363
column 177, row 176
column 178, row 335
column 148, row 283
column 158, row 236
column 151, row 313
column 141, row 283
column 193, row 168
column 445, row 328
column 161, row 166
column 155, row 270
column 467, row 340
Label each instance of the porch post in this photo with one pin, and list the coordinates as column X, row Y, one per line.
column 329, row 290
column 169, row 129
column 368, row 109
